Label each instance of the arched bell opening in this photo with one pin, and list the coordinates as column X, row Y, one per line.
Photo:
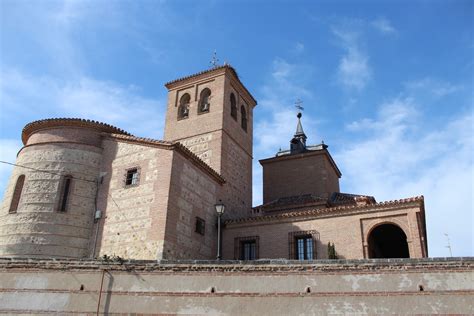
column 388, row 241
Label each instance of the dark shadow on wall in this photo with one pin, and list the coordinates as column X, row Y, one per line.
column 104, row 197
column 108, row 294
column 388, row 241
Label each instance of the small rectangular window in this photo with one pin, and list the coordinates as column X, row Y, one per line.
column 302, row 244
column 304, row 248
column 246, row 248
column 131, row 178
column 200, row 226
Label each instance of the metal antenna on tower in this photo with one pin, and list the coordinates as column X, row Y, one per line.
column 449, row 245
column 214, row 61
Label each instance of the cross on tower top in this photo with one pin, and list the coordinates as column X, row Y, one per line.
column 214, row 61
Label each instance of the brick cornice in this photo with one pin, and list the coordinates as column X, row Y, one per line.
column 35, row 126
column 324, row 152
column 206, row 74
column 170, row 146
column 330, row 211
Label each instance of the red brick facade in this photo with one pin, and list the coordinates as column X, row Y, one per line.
column 173, row 185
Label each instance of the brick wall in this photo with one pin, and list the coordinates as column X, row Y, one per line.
column 216, row 137
column 427, row 286
column 348, row 232
column 308, row 173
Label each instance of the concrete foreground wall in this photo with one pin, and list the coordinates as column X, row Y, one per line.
column 271, row 287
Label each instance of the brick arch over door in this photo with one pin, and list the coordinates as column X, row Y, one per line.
column 395, row 221
column 387, row 239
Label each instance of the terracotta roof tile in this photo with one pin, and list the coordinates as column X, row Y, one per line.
column 32, row 127
column 203, row 72
column 338, row 198
column 172, row 145
column 226, row 66
column 291, row 201
column 316, row 212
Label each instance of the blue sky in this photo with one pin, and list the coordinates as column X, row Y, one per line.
column 386, row 84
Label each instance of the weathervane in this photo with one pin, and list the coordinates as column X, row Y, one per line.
column 298, row 105
column 214, row 61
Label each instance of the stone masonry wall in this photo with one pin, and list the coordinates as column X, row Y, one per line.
column 38, row 229
column 237, row 171
column 347, row 232
column 192, row 194
column 362, row 287
column 134, row 218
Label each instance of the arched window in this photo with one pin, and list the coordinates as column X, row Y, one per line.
column 17, row 194
column 64, row 193
column 233, row 106
column 204, row 99
column 243, row 113
column 183, row 109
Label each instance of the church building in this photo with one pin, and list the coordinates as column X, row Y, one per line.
column 85, row 189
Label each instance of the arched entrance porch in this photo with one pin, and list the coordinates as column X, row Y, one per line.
column 388, row 241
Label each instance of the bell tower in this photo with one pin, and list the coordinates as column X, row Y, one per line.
column 301, row 170
column 211, row 113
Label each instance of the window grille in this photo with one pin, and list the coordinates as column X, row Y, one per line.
column 132, row 177
column 302, row 245
column 246, row 248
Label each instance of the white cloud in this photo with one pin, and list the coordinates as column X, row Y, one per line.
column 29, row 97
column 399, row 157
column 275, row 116
column 113, row 103
column 354, row 71
column 8, row 150
column 437, row 88
column 299, row 47
column 384, row 26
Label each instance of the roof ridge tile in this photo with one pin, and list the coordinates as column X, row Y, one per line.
column 318, row 211
column 34, row 126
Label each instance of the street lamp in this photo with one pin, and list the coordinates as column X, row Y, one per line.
column 220, row 208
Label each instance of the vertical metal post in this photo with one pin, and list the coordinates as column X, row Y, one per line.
column 218, row 236
column 449, row 245
column 95, row 221
column 100, row 291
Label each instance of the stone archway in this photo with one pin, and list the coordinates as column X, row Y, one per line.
column 388, row 241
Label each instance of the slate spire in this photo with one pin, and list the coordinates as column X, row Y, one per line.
column 298, row 143
column 299, row 127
